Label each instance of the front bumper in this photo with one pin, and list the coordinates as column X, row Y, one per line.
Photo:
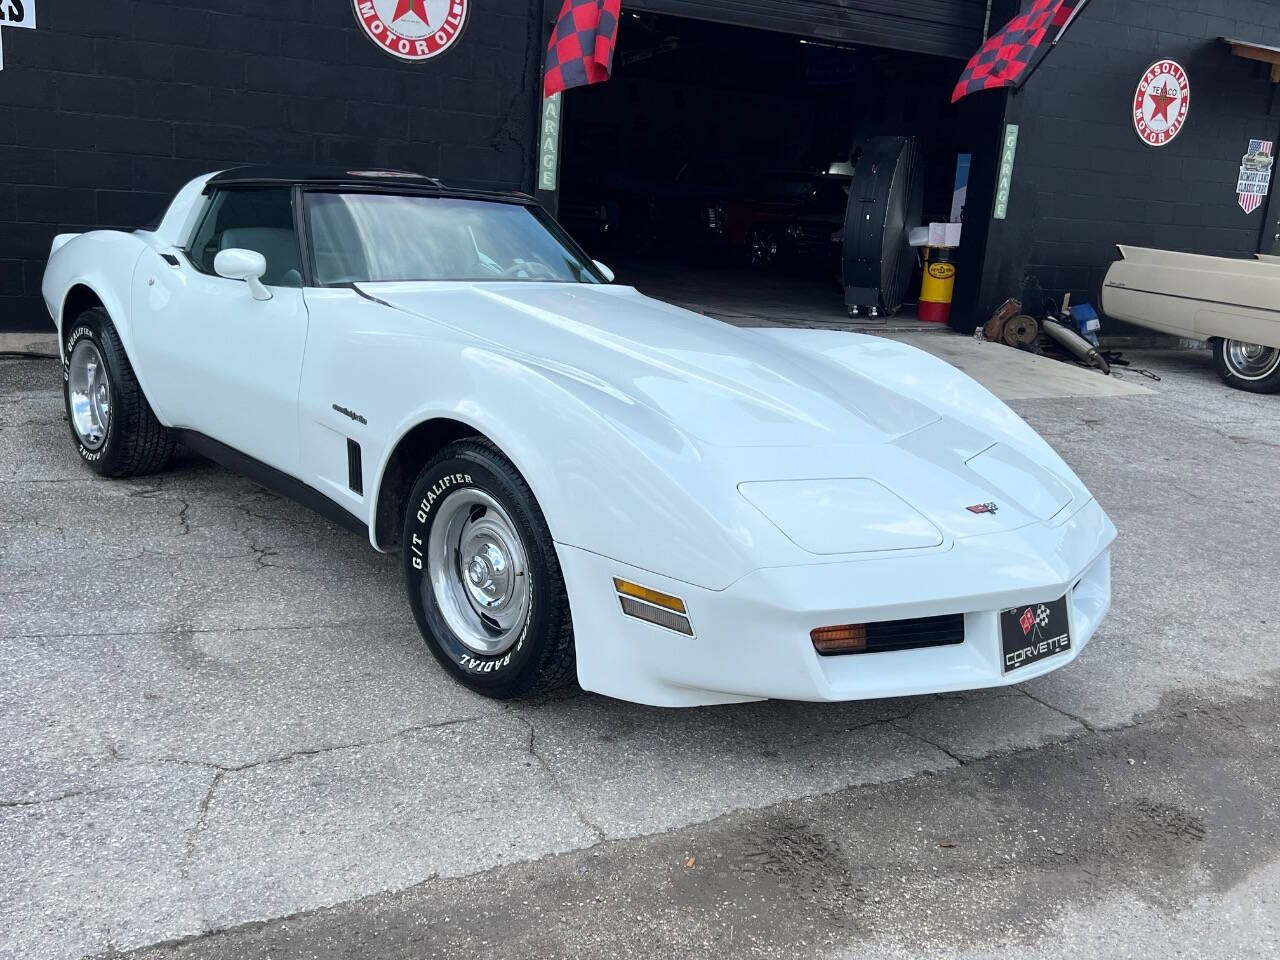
column 752, row 639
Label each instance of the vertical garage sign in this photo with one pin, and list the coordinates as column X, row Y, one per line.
column 1004, row 183
column 16, row 13
column 549, row 144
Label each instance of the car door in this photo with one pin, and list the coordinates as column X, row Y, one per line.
column 218, row 361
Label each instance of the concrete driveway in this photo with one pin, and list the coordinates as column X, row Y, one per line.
column 216, row 710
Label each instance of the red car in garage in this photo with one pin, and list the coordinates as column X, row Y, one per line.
column 782, row 215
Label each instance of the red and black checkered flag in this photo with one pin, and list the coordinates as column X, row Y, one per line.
column 1008, row 57
column 582, row 44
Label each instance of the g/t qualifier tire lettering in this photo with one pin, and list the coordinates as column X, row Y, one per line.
column 542, row 656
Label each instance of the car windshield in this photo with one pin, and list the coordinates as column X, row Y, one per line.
column 362, row 237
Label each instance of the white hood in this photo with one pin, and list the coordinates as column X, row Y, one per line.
column 782, row 419
column 724, row 385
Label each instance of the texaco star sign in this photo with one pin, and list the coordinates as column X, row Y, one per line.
column 16, row 13
column 1162, row 102
column 412, row 29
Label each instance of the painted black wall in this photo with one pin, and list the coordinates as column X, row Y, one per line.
column 111, row 105
column 1084, row 181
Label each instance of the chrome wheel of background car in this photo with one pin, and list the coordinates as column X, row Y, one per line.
column 478, row 570
column 1250, row 361
column 762, row 247
column 89, row 394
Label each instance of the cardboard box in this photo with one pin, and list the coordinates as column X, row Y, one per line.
column 944, row 234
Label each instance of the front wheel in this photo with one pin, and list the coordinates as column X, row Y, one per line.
column 482, row 575
column 1247, row 366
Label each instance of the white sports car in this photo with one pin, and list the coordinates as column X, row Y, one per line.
column 582, row 481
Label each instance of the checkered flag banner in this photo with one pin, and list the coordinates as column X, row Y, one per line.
column 1009, row 57
column 1042, row 616
column 582, row 45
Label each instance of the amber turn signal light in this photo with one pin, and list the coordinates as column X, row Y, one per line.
column 658, row 599
column 656, row 607
column 832, row 641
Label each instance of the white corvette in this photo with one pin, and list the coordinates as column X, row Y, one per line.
column 581, row 480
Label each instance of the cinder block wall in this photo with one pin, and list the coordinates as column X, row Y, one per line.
column 1084, row 181
column 111, row 105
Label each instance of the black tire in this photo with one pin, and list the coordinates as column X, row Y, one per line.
column 543, row 657
column 1265, row 378
column 135, row 443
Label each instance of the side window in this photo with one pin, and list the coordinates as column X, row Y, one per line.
column 259, row 220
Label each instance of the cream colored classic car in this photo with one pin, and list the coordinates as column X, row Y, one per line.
column 1232, row 304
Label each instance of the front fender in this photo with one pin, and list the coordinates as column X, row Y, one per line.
column 612, row 476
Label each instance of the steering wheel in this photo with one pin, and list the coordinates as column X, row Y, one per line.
column 529, row 268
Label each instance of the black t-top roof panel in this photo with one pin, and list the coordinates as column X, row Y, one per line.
column 376, row 179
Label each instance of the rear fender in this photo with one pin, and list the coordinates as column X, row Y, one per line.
column 101, row 262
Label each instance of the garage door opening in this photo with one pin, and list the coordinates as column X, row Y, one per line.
column 713, row 169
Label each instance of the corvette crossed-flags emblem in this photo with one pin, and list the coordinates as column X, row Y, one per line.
column 1031, row 619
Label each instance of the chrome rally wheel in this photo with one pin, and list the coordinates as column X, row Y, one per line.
column 482, row 575
column 88, row 394
column 478, row 570
column 113, row 427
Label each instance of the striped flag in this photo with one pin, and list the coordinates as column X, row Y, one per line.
column 1009, row 57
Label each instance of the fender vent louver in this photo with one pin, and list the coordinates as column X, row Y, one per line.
column 355, row 470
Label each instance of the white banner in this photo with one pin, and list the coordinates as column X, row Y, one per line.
column 16, row 13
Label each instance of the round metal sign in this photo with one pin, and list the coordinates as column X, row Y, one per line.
column 412, row 29
column 1162, row 102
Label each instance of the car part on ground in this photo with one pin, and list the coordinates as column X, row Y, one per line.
column 1020, row 331
column 1076, row 345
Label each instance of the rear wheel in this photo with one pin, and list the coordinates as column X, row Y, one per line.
column 482, row 575
column 1248, row 366
column 113, row 427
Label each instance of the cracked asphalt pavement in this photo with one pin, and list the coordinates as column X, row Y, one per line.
column 222, row 738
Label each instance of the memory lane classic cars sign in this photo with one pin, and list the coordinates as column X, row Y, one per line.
column 16, row 13
column 1255, row 175
column 412, row 29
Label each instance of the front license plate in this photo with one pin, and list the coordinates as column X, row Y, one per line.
column 1033, row 632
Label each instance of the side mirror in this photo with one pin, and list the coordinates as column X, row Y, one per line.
column 246, row 265
column 608, row 274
